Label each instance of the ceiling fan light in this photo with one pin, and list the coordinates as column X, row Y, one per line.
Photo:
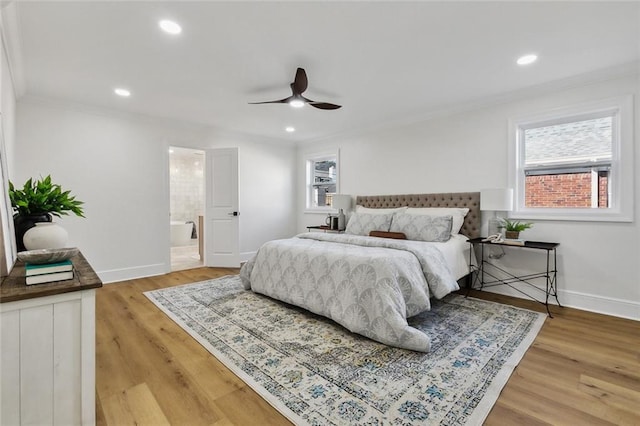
column 170, row 27
column 527, row 59
column 296, row 103
column 122, row 92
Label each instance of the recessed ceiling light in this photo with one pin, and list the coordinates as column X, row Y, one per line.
column 122, row 92
column 296, row 103
column 170, row 27
column 527, row 59
column 290, row 129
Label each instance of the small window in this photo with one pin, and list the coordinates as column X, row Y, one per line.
column 322, row 181
column 572, row 164
column 567, row 165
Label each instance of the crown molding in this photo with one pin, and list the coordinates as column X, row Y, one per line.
column 621, row 71
column 204, row 129
column 12, row 43
column 71, row 105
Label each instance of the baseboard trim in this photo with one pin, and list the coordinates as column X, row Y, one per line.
column 124, row 274
column 584, row 301
column 602, row 304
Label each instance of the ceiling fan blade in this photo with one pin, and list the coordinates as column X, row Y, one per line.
column 298, row 86
column 281, row 101
column 300, row 83
column 324, row 105
column 321, row 105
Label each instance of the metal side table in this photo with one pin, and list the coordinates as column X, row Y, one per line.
column 488, row 269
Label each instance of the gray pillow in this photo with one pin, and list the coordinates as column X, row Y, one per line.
column 423, row 228
column 364, row 223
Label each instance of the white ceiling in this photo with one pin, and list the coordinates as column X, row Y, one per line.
column 383, row 61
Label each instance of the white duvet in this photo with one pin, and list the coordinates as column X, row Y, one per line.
column 368, row 285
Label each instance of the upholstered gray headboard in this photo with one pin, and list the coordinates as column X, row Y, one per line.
column 470, row 200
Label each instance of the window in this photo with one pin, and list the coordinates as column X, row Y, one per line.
column 575, row 164
column 322, row 181
column 568, row 164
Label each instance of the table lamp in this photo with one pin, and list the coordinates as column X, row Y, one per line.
column 341, row 202
column 496, row 200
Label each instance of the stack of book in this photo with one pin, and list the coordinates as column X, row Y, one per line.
column 48, row 272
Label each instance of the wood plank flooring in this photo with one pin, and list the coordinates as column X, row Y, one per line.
column 582, row 369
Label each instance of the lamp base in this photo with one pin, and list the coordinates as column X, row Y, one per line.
column 494, row 226
column 341, row 220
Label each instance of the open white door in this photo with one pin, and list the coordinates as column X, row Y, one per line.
column 221, row 244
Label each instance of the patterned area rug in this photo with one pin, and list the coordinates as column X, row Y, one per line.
column 316, row 372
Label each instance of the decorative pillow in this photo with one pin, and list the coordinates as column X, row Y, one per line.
column 423, row 227
column 360, row 209
column 458, row 215
column 364, row 223
column 384, row 234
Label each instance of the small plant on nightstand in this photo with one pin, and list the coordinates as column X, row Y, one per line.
column 513, row 228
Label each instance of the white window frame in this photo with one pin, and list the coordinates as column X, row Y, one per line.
column 312, row 158
column 622, row 159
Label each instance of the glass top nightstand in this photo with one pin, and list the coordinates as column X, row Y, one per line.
column 324, row 228
column 499, row 276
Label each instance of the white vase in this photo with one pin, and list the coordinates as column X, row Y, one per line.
column 45, row 235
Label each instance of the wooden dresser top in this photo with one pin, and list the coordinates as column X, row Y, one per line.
column 14, row 285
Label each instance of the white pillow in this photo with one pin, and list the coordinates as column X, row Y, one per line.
column 457, row 214
column 422, row 227
column 364, row 223
column 360, row 209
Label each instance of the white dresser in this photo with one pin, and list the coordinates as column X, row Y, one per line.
column 47, row 349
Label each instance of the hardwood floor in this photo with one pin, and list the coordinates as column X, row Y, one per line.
column 582, row 369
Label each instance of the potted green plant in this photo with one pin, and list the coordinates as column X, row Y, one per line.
column 512, row 228
column 36, row 202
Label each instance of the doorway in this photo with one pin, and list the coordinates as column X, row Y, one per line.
column 186, row 194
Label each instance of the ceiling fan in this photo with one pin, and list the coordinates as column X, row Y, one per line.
column 296, row 100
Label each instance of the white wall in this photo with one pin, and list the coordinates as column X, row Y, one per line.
column 266, row 180
column 467, row 151
column 267, row 195
column 118, row 165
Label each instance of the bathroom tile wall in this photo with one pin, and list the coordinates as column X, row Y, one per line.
column 186, row 171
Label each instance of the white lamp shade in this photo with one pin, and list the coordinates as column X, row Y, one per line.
column 341, row 201
column 497, row 200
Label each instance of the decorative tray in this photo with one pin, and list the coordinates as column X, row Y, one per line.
column 47, row 255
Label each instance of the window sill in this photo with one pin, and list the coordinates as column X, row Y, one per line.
column 576, row 215
column 320, row 211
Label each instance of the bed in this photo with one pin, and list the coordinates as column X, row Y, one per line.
column 371, row 285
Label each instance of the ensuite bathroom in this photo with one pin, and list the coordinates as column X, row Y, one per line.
column 186, row 188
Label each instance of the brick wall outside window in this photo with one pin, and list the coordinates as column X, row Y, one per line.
column 564, row 190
